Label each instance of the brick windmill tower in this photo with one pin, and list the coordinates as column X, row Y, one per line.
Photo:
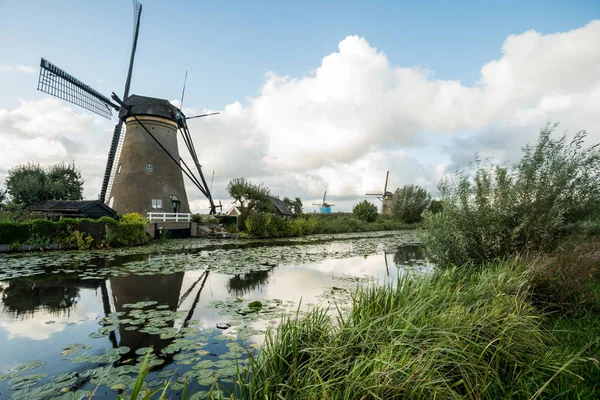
column 385, row 197
column 144, row 170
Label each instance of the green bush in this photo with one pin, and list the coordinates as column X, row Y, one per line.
column 126, row 234
column 436, row 206
column 133, row 218
column 365, row 211
column 75, row 233
column 496, row 211
column 256, row 224
column 266, row 225
column 12, row 232
column 409, row 203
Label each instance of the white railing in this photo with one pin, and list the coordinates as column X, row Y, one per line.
column 169, row 217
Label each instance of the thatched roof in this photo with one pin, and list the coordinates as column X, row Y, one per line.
column 280, row 206
column 71, row 208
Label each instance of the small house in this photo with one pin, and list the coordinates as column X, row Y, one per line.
column 234, row 212
column 280, row 208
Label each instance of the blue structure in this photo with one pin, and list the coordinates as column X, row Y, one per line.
column 324, row 208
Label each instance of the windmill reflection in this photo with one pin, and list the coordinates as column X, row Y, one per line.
column 163, row 289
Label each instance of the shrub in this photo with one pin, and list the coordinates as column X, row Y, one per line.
column 436, row 206
column 570, row 277
column 365, row 211
column 256, row 224
column 76, row 239
column 409, row 203
column 133, row 218
column 125, row 234
column 496, row 212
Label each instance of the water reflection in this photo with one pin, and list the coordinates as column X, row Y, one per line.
column 57, row 295
column 82, row 297
column 240, row 284
column 164, row 289
column 409, row 255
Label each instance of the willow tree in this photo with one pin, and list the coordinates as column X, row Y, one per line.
column 409, row 202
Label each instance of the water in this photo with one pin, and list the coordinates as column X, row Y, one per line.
column 74, row 321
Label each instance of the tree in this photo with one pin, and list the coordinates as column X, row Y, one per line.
column 3, row 197
column 409, row 203
column 64, row 182
column 435, row 206
column 297, row 207
column 29, row 184
column 294, row 205
column 365, row 211
column 249, row 198
column 493, row 211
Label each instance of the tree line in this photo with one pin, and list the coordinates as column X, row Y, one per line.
column 31, row 183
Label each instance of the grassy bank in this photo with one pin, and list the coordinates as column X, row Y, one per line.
column 447, row 336
column 264, row 225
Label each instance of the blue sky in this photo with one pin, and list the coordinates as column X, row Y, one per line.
column 228, row 46
column 367, row 100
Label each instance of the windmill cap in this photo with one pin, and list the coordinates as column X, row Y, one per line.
column 142, row 105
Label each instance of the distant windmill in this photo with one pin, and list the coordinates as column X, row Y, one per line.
column 144, row 169
column 324, row 208
column 385, row 197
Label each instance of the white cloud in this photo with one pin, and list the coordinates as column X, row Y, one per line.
column 47, row 132
column 340, row 127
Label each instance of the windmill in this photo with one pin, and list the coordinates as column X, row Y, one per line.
column 324, row 208
column 385, row 197
column 143, row 169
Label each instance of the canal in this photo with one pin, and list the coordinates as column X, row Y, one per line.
column 75, row 322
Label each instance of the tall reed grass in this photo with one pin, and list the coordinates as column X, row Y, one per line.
column 447, row 336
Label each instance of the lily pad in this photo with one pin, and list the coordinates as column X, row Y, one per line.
column 255, row 304
column 143, row 350
column 26, row 381
column 29, row 366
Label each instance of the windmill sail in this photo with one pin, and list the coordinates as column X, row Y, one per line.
column 57, row 82
column 117, row 139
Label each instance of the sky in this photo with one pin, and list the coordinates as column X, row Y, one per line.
column 313, row 96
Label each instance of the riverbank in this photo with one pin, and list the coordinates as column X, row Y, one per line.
column 267, row 226
column 73, row 233
column 523, row 328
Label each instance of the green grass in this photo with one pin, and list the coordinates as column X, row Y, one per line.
column 447, row 336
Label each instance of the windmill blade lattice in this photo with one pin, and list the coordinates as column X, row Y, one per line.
column 59, row 83
column 117, row 140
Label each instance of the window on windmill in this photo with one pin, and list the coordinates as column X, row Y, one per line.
column 149, row 167
column 157, row 203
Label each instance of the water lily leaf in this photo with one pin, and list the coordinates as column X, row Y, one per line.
column 29, row 366
column 64, row 377
column 26, row 381
column 167, row 373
